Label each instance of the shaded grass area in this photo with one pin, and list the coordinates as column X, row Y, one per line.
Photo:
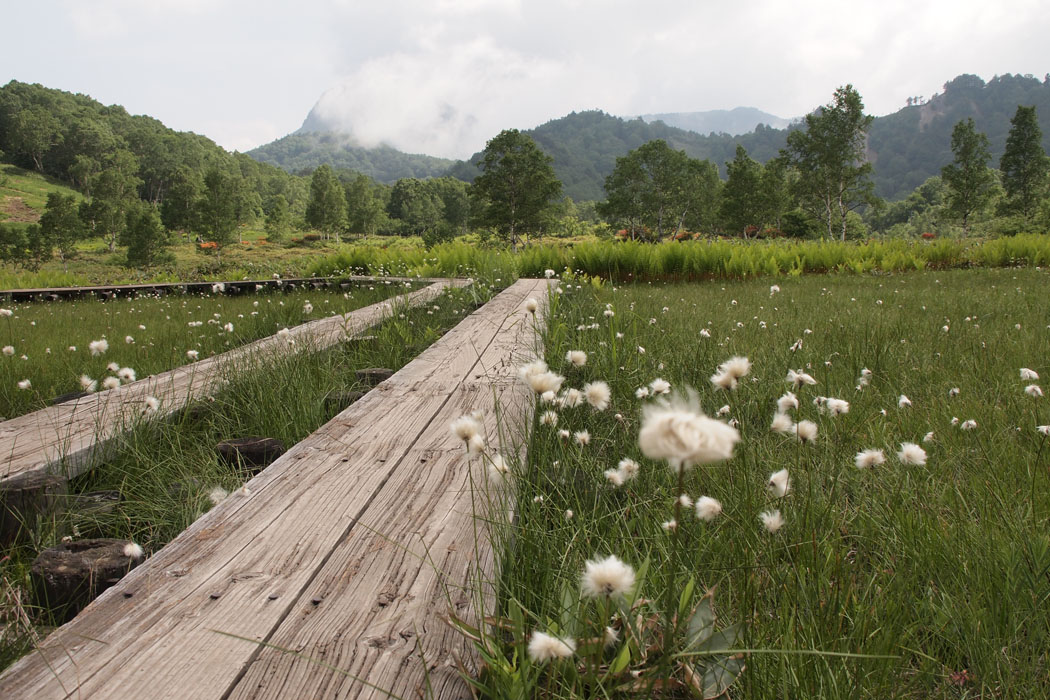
column 54, row 337
column 944, row 567
column 164, row 470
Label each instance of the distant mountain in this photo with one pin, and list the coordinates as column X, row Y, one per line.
column 737, row 121
column 304, row 150
column 905, row 147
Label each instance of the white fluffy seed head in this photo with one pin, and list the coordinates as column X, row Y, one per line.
column 782, row 423
column 1029, row 375
column 787, row 402
column 797, row 378
column 903, row 402
column 544, row 647
column 910, row 453
column 604, row 578
column 531, row 305
column 869, row 458
column 133, row 551
column 806, row 431
column 779, row 483
column 598, row 395
column 772, row 520
column 629, row 468
column 680, row 433
column 1033, row 390
column 707, row 508
column 577, row 358
column 465, row 427
column 660, row 386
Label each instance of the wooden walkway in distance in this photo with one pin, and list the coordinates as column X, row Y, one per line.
column 71, row 437
column 232, row 287
column 343, row 552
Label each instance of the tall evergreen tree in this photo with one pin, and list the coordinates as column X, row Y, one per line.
column 1024, row 164
column 971, row 184
column 145, row 237
column 742, row 205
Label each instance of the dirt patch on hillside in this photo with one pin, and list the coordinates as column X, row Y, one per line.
column 16, row 211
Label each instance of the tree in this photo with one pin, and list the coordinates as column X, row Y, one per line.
column 1024, row 164
column 145, row 237
column 60, row 225
column 218, row 209
column 416, row 205
column 114, row 190
column 326, row 209
column 829, row 156
column 742, row 205
column 516, row 190
column 365, row 212
column 971, row 184
column 34, row 131
column 180, row 201
column 657, row 188
column 278, row 220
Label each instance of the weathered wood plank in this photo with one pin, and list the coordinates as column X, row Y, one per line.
column 253, row 566
column 71, row 437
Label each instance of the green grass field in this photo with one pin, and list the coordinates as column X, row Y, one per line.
column 48, row 344
column 897, row 581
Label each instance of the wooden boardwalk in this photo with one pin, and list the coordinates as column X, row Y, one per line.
column 347, row 551
column 111, row 291
column 71, row 437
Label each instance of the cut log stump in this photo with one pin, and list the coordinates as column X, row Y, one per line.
column 251, row 453
column 69, row 576
column 26, row 498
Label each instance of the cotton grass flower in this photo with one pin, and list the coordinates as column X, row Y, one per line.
column 25, row 384
column 910, row 453
column 152, row 404
column 113, row 367
column 772, row 520
column 218, row 288
column 475, row 445
column 835, row 407
column 549, row 418
column 88, row 384
column 787, row 402
column 642, row 392
column 629, row 468
column 531, row 305
column 707, row 508
column 217, row 494
column 97, row 347
column 953, row 392
column 6, row 313
column 660, row 386
column 903, row 402
column 968, row 425
column 583, row 438
column 869, row 458
column 1033, row 390
column 797, row 378
column 465, row 427
column 192, row 354
column 1029, row 375
column 9, row 350
column 598, row 395
column 571, row 398
column 544, row 647
column 782, row 423
column 680, row 433
column 129, row 340
column 578, row 358
column 731, row 372
column 498, row 468
column 228, row 327
column 806, row 431
column 1043, row 430
column 133, row 551
column 111, row 382
column 928, row 437
column 614, row 477
column 604, row 578
column 126, row 374
column 779, row 483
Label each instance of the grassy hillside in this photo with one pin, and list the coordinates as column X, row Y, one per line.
column 23, row 194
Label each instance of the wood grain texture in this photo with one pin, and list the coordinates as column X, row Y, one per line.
column 72, row 437
column 348, row 550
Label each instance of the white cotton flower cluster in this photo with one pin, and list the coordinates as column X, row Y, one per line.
column 731, row 372
column 537, row 376
column 677, row 431
column 469, row 429
column 831, row 406
column 626, row 470
column 798, row 377
column 577, row 358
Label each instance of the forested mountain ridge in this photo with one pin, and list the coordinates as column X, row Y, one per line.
column 736, row 121
column 905, row 147
column 302, row 151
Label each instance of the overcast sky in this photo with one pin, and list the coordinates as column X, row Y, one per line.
column 443, row 76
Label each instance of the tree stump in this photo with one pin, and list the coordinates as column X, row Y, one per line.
column 373, row 375
column 251, row 453
column 26, row 498
column 68, row 577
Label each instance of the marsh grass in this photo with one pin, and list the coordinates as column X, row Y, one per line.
column 44, row 332
column 164, row 469
column 894, row 582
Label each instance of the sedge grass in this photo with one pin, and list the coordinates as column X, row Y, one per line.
column 900, row 581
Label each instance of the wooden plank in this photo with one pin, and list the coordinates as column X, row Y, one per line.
column 71, row 437
column 255, row 564
column 28, row 294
